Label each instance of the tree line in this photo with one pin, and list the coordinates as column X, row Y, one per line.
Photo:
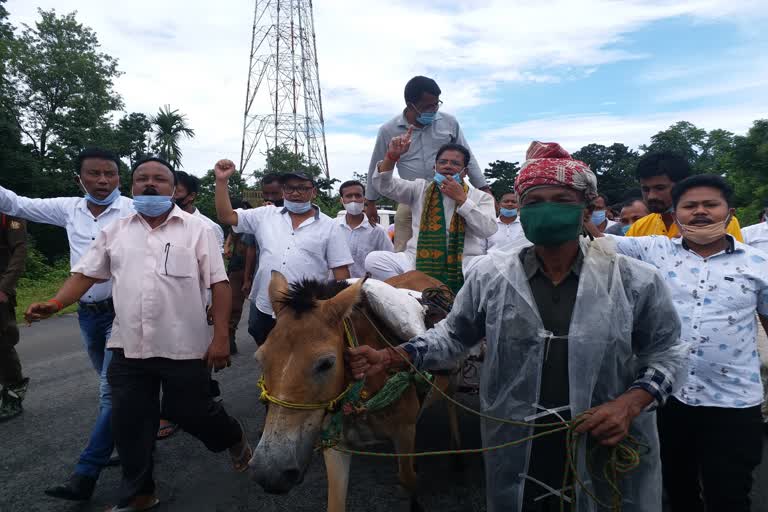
column 57, row 96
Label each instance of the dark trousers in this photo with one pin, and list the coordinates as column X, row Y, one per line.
column 10, row 366
column 136, row 413
column 709, row 452
column 236, row 278
column 259, row 324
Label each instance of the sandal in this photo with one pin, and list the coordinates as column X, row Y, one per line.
column 166, row 430
column 240, row 461
column 139, row 504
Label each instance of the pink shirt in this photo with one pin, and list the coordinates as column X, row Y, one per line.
column 159, row 281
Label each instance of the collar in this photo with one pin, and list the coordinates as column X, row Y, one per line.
column 317, row 211
column 730, row 248
column 532, row 264
column 499, row 221
column 364, row 224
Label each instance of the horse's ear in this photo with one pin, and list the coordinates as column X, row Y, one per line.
column 340, row 306
column 278, row 289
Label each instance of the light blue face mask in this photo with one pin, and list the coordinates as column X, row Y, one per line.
column 625, row 229
column 111, row 198
column 152, row 206
column 508, row 212
column 426, row 118
column 598, row 217
column 297, row 208
column 439, row 178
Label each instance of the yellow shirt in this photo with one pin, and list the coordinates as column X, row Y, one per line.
column 653, row 224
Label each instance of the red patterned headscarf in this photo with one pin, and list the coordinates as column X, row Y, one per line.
column 547, row 163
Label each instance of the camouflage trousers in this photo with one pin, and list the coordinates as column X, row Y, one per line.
column 10, row 366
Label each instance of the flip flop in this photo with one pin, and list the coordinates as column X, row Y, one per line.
column 166, row 430
column 240, row 461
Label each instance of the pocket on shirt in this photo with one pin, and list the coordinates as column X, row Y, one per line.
column 738, row 291
column 178, row 262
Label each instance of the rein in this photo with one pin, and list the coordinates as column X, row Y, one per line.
column 331, row 405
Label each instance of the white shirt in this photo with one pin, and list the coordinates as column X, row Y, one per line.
column 506, row 233
column 216, row 228
column 716, row 299
column 478, row 211
column 308, row 252
column 756, row 235
column 73, row 214
column 160, row 278
column 362, row 240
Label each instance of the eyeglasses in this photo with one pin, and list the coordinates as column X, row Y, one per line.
column 287, row 189
column 432, row 107
column 452, row 163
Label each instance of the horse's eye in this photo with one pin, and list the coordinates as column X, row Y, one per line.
column 325, row 364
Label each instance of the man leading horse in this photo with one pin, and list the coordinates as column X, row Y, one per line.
column 574, row 331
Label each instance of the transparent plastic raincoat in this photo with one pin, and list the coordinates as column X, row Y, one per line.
column 623, row 320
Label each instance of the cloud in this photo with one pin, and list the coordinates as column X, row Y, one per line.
column 194, row 56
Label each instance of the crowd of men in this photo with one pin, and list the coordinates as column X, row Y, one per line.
column 640, row 318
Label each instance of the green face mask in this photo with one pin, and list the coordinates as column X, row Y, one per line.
column 552, row 224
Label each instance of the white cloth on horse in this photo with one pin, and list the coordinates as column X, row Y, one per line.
column 399, row 309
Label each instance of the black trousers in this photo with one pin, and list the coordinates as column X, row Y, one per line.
column 259, row 325
column 136, row 413
column 10, row 366
column 709, row 453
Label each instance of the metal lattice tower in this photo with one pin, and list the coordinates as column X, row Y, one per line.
column 283, row 105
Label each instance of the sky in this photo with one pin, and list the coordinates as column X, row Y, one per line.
column 570, row 71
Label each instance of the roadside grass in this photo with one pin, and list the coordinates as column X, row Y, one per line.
column 41, row 286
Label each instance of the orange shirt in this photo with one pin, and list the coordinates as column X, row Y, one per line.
column 653, row 224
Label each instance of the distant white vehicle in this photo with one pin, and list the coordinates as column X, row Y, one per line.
column 386, row 217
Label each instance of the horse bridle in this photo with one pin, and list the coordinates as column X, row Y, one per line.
column 330, row 406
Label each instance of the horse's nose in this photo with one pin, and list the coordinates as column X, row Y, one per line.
column 276, row 481
column 291, row 476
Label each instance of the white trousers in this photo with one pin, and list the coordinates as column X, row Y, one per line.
column 384, row 264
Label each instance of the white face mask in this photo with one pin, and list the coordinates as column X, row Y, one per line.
column 354, row 208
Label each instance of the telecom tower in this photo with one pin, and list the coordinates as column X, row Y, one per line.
column 283, row 105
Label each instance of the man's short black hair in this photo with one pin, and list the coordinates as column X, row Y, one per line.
column 702, row 180
column 238, row 202
column 270, row 178
column 663, row 163
column 454, row 147
column 505, row 193
column 350, row 183
column 153, row 158
column 605, row 199
column 417, row 86
column 93, row 152
column 631, row 201
column 191, row 183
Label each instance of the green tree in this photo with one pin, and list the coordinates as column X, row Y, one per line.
column 747, row 164
column 170, row 126
column 62, row 88
column 614, row 167
column 206, row 202
column 501, row 176
column 705, row 151
column 132, row 136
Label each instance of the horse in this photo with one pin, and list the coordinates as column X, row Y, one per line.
column 303, row 363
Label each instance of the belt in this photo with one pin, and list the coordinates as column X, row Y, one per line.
column 103, row 306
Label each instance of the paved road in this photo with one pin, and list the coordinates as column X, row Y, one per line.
column 39, row 448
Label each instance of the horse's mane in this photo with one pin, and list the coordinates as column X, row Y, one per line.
column 302, row 297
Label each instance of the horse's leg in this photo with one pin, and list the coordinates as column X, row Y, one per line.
column 405, row 442
column 337, row 469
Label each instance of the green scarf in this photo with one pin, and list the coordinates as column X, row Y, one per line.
column 436, row 256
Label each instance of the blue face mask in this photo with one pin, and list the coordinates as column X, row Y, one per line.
column 598, row 217
column 152, row 206
column 111, row 198
column 625, row 229
column 426, row 118
column 298, row 208
column 439, row 178
column 508, row 212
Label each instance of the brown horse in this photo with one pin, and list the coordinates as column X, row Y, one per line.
column 303, row 362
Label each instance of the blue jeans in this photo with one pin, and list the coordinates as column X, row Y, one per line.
column 96, row 328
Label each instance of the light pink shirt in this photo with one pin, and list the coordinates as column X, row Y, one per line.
column 159, row 281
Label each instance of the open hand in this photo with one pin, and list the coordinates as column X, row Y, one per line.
column 217, row 355
column 224, row 169
column 366, row 361
column 40, row 311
